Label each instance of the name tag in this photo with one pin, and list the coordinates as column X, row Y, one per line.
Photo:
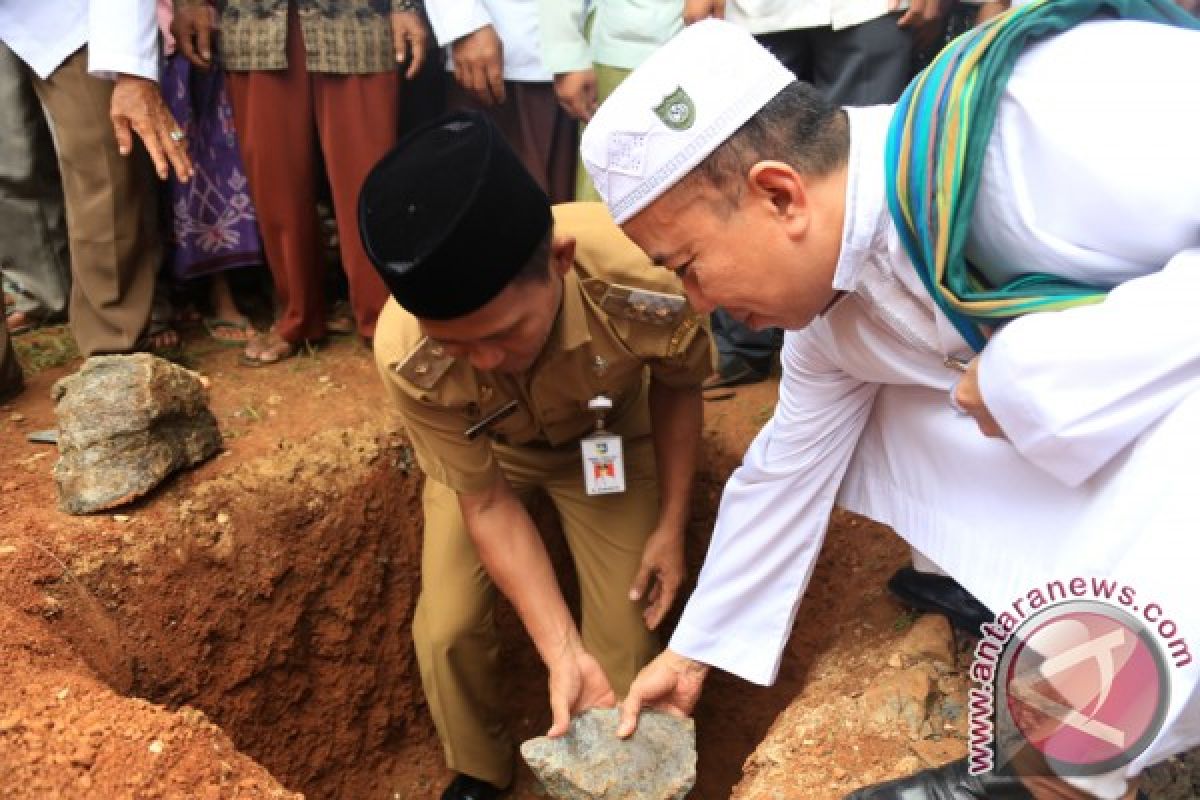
column 603, row 463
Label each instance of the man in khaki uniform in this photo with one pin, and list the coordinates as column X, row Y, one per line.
column 507, row 330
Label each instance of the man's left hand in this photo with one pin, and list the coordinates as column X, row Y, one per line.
column 137, row 105
column 659, row 576
column 577, row 683
column 409, row 36
column 970, row 399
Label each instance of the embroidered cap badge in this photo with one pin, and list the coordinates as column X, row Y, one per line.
column 677, row 111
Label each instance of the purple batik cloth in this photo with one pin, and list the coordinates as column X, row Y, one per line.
column 213, row 224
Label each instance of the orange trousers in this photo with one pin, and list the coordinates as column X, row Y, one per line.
column 281, row 117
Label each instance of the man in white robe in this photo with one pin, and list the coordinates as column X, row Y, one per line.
column 1092, row 414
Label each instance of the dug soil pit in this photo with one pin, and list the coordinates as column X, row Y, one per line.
column 244, row 631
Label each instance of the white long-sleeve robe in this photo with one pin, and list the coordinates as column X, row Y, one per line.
column 121, row 35
column 1093, row 171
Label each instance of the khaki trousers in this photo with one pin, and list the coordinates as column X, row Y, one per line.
column 112, row 212
column 454, row 627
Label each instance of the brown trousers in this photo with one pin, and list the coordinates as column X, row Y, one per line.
column 112, row 212
column 536, row 127
column 355, row 125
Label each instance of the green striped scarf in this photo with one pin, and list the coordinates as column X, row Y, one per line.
column 936, row 144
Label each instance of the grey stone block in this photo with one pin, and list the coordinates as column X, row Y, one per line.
column 126, row 423
column 590, row 763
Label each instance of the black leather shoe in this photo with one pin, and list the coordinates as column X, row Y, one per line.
column 464, row 787
column 940, row 594
column 949, row 782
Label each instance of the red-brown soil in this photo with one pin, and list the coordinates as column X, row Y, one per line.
column 245, row 628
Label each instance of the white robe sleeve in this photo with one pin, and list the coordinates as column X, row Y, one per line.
column 453, row 19
column 773, row 516
column 1071, row 389
column 123, row 38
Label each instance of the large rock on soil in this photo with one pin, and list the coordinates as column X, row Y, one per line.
column 125, row 423
column 591, row 763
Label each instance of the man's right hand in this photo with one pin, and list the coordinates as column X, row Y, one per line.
column 577, row 683
column 479, row 65
column 576, row 92
column 137, row 107
column 192, row 28
column 670, row 683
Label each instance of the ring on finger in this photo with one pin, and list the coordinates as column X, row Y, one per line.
column 176, row 135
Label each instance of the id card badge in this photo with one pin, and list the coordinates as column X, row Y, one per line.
column 603, row 463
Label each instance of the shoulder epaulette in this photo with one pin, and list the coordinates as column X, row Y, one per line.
column 643, row 305
column 425, row 365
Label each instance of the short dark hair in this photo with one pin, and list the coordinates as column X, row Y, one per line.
column 537, row 266
column 797, row 126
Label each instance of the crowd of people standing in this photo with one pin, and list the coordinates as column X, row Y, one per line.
column 281, row 107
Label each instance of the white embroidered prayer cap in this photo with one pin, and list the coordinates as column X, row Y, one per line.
column 674, row 110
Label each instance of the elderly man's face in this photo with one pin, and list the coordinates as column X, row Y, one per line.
column 509, row 333
column 769, row 261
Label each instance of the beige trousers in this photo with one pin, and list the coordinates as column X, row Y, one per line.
column 454, row 628
column 112, row 216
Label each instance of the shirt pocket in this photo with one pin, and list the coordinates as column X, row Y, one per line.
column 518, row 427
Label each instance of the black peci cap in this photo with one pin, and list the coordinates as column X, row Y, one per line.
column 450, row 215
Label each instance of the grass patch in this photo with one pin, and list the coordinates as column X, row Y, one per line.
column 45, row 348
column 191, row 355
column 251, row 412
column 905, row 621
column 309, row 356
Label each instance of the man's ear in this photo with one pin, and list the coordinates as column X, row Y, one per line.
column 784, row 188
column 562, row 254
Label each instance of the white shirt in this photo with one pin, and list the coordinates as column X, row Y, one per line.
column 623, row 32
column 121, row 35
column 770, row 16
column 516, row 23
column 1092, row 170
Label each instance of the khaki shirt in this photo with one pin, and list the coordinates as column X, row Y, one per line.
column 610, row 337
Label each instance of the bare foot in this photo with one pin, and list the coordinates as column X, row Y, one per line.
column 229, row 331
column 225, row 310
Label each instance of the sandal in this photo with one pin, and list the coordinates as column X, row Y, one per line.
column 232, row 332
column 340, row 326
column 340, row 321
column 265, row 349
column 158, row 339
